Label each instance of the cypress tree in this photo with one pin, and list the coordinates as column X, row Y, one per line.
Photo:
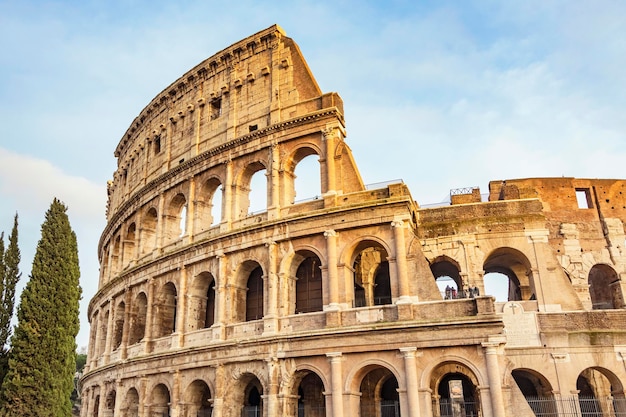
column 42, row 361
column 9, row 276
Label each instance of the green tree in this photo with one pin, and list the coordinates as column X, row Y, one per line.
column 9, row 276
column 42, row 362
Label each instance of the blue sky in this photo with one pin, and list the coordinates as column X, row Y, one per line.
column 441, row 94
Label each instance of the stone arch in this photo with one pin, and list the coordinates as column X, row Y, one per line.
column 118, row 327
column 202, row 301
column 175, row 218
column 536, row 389
column 247, row 395
column 514, row 265
column 447, row 381
column 128, row 245
column 447, row 273
column 307, row 394
column 103, row 332
column 109, row 402
column 198, row 400
column 165, row 310
column 130, row 406
column 138, row 317
column 368, row 259
column 378, row 383
column 241, row 300
column 300, row 153
column 116, row 255
column 243, row 189
column 104, row 276
column 605, row 288
column 208, row 204
column 308, row 286
column 159, row 401
column 600, row 392
column 148, row 230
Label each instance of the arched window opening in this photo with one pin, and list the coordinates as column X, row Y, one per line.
column 130, row 407
column 104, row 266
column 138, row 313
column 148, row 231
column 253, row 400
column 309, row 286
column 511, row 266
column 311, row 401
column 501, row 287
column 382, row 285
column 160, row 402
column 103, row 333
column 96, row 406
column 116, row 257
column 372, row 284
column 605, row 288
column 457, row 396
column 202, row 301
column 129, row 245
column 216, row 206
column 209, row 315
column 448, row 278
column 254, row 295
column 258, row 192
column 307, row 184
column 537, row 392
column 118, row 328
column 198, row 398
column 109, row 403
column 601, row 393
column 175, row 219
column 183, row 221
column 166, row 310
column 379, row 394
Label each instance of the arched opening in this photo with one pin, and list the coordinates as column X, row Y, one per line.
column 511, row 266
column 165, row 309
column 379, row 394
column 254, row 295
column 198, row 399
column 455, row 390
column 159, row 402
column 448, row 278
column 116, row 256
column 310, row 394
column 130, row 407
column 372, row 284
column 109, row 403
column 129, row 245
column 251, row 191
column 600, row 393
column 175, row 219
column 216, row 205
column 118, row 328
column 148, row 231
column 309, row 285
column 605, row 288
column 307, row 184
column 103, row 333
column 104, row 265
column 202, row 301
column 138, row 313
column 96, row 406
column 253, row 399
column 537, row 391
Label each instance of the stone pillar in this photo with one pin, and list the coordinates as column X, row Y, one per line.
column 274, row 202
column 271, row 399
column 220, row 298
column 85, row 402
column 336, row 383
column 400, row 249
column 175, row 407
column 143, row 397
column 191, row 210
column 328, row 137
column 227, row 198
column 218, row 395
column 119, row 396
column 412, row 385
column 333, row 279
column 181, row 311
column 270, row 320
column 109, row 332
column 149, row 319
column 126, row 327
column 160, row 223
column 493, row 372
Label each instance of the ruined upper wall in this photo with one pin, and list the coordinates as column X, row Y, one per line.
column 256, row 83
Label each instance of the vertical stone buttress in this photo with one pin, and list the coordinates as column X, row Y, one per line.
column 412, row 388
column 493, row 373
column 333, row 279
column 399, row 227
column 270, row 320
column 329, row 139
column 336, row 381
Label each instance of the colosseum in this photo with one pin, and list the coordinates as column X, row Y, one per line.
column 356, row 301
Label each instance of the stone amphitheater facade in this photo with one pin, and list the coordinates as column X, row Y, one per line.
column 332, row 306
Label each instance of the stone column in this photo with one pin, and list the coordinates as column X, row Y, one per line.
column 126, row 327
column 270, row 320
column 328, row 137
column 85, row 402
column 333, row 279
column 493, row 372
column 119, row 396
column 147, row 337
column 336, row 383
column 175, row 407
column 400, row 249
column 191, row 210
column 160, row 223
column 272, row 397
column 181, row 311
column 227, row 198
column 109, row 332
column 412, row 385
column 273, row 171
column 220, row 297
column 218, row 395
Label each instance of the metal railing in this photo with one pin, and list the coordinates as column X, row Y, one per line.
column 251, row 411
column 311, row 411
